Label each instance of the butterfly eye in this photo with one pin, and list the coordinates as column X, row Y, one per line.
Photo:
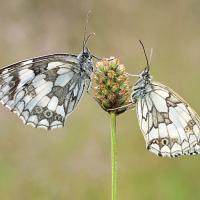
column 86, row 54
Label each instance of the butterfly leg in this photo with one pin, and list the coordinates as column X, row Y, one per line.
column 128, row 106
column 133, row 75
column 97, row 58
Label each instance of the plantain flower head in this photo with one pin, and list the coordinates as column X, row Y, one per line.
column 112, row 89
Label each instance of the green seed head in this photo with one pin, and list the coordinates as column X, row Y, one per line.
column 112, row 89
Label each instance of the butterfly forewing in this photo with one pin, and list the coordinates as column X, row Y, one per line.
column 170, row 126
column 44, row 90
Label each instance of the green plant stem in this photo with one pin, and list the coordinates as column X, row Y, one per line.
column 114, row 155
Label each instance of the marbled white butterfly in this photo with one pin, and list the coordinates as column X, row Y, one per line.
column 43, row 91
column 169, row 125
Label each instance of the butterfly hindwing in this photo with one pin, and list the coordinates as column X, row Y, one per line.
column 170, row 126
column 42, row 91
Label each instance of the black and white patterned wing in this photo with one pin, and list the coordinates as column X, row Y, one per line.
column 169, row 125
column 42, row 91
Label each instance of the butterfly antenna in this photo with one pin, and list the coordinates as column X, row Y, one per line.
column 85, row 29
column 150, row 57
column 145, row 54
column 88, row 37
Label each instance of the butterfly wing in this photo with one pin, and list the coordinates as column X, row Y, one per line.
column 42, row 91
column 169, row 125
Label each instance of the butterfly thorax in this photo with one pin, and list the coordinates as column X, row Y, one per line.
column 86, row 63
column 142, row 86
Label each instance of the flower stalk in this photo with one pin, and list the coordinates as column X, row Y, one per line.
column 112, row 92
column 113, row 155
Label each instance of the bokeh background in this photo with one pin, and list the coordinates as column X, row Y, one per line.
column 74, row 162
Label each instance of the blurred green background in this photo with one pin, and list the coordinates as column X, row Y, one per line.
column 74, row 162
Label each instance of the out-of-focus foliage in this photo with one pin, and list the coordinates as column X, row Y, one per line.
column 74, row 162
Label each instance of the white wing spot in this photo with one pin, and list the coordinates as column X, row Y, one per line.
column 53, row 103
column 63, row 79
column 53, row 65
column 28, row 62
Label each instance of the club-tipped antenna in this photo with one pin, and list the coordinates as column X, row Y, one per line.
column 145, row 54
column 85, row 39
